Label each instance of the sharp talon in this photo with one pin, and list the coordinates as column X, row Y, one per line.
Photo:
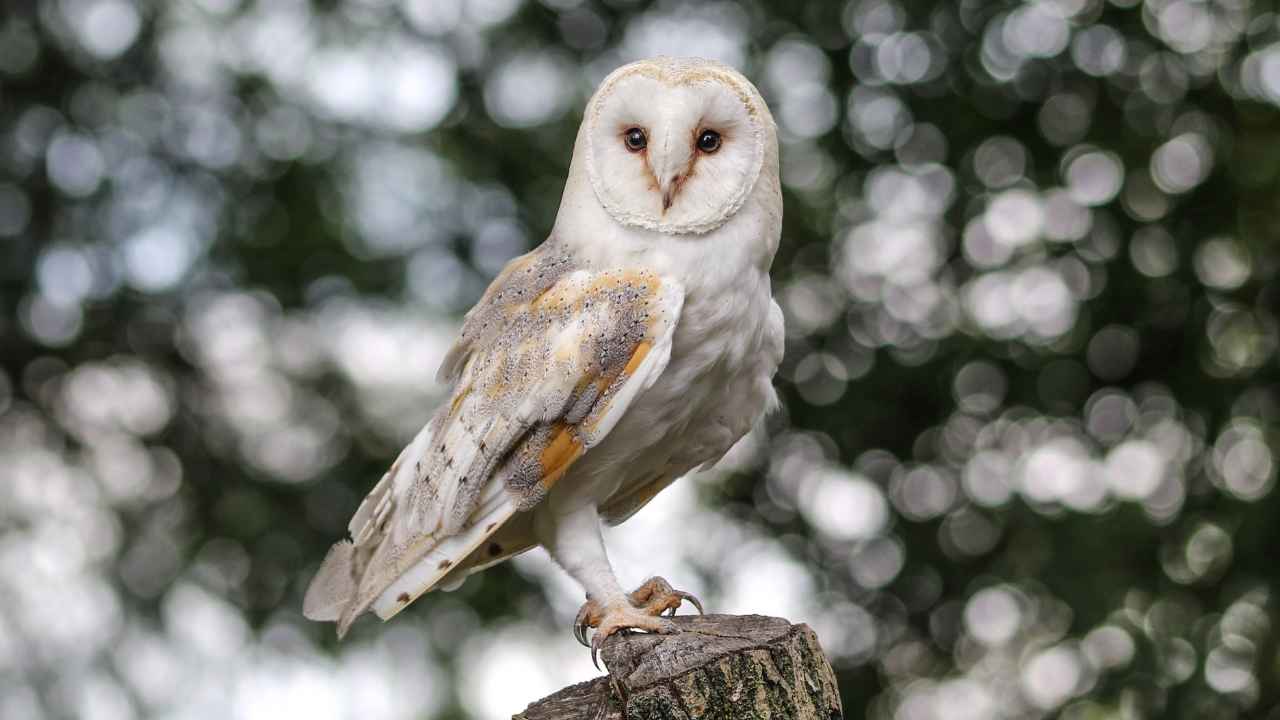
column 594, row 649
column 588, row 617
column 693, row 600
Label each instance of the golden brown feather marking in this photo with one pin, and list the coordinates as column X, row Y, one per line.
column 552, row 298
column 541, row 297
column 637, row 357
column 565, row 447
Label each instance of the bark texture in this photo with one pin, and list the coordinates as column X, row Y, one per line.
column 747, row 667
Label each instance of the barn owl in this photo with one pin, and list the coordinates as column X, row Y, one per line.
column 637, row 343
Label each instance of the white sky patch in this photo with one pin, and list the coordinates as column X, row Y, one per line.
column 1181, row 164
column 992, row 616
column 845, row 506
column 400, row 86
column 1015, row 217
column 1095, row 177
column 1050, row 677
column 75, row 164
column 65, row 274
column 529, row 89
column 1134, row 469
column 106, row 28
column 158, row 258
column 718, row 30
column 506, row 669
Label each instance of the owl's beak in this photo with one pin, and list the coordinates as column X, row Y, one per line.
column 669, row 183
column 671, row 169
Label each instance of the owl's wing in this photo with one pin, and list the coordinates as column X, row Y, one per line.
column 546, row 364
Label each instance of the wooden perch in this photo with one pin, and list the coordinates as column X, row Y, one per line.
column 721, row 666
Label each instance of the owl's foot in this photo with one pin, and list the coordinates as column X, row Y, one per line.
column 647, row 604
column 622, row 618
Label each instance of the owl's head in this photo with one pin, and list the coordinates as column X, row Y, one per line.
column 675, row 144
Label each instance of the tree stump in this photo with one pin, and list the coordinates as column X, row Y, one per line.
column 719, row 666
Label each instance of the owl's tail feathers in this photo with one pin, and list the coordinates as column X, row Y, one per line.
column 388, row 577
column 433, row 559
column 333, row 587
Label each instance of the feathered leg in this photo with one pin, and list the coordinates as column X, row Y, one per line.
column 575, row 543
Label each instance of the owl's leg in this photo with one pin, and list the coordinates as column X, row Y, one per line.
column 575, row 543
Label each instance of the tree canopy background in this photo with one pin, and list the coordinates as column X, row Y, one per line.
column 1026, row 461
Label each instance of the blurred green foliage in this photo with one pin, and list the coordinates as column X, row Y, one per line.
column 1027, row 452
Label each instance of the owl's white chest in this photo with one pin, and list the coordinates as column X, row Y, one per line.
column 719, row 380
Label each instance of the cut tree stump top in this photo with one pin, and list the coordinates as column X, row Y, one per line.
column 719, row 666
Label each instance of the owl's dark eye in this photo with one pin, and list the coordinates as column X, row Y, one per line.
column 709, row 141
column 634, row 139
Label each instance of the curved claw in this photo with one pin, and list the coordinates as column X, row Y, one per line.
column 691, row 599
column 597, row 642
column 595, row 649
column 684, row 597
column 582, row 623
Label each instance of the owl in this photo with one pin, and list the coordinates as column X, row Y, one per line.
column 637, row 343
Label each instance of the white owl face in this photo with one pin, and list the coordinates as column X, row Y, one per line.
column 675, row 145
